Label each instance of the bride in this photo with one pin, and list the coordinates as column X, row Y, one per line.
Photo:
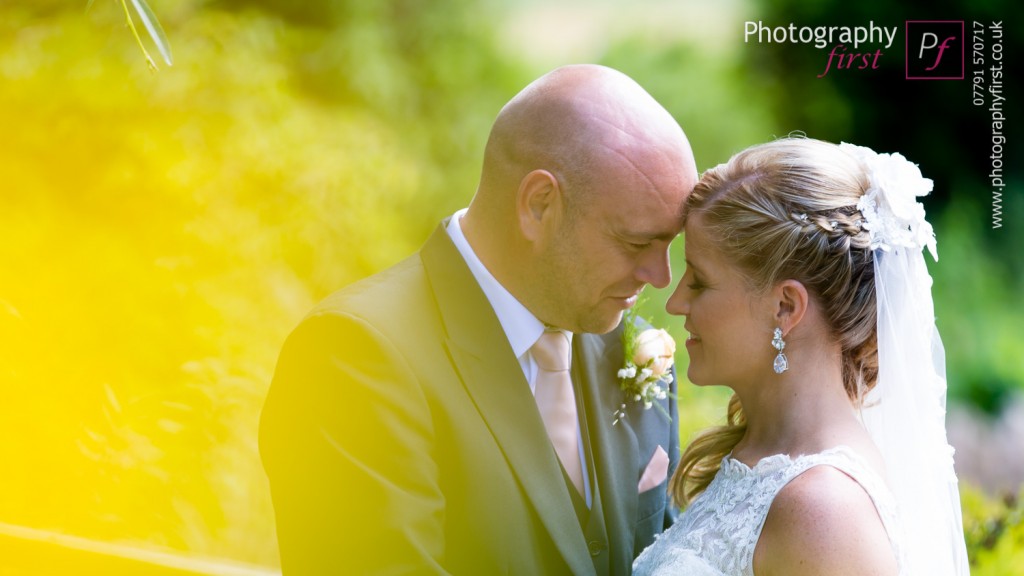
column 806, row 293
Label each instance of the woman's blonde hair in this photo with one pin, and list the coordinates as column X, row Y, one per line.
column 788, row 210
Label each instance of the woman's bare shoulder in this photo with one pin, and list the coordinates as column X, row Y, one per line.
column 823, row 522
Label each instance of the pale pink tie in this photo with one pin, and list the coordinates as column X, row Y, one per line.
column 553, row 392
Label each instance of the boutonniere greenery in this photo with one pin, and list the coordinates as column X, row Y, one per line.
column 647, row 373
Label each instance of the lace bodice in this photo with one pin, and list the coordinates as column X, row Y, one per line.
column 717, row 533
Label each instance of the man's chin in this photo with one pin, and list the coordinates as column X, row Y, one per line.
column 603, row 323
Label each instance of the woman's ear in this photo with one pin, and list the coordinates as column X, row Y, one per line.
column 790, row 300
column 538, row 199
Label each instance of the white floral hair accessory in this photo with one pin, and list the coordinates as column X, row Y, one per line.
column 892, row 214
column 647, row 374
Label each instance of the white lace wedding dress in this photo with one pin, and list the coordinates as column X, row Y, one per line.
column 717, row 533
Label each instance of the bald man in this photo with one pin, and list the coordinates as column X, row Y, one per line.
column 401, row 434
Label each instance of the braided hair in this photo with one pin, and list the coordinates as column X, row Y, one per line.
column 782, row 210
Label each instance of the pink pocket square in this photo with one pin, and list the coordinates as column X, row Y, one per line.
column 656, row 471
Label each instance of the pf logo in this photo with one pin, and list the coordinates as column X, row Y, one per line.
column 935, row 50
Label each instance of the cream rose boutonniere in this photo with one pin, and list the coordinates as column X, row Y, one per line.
column 650, row 355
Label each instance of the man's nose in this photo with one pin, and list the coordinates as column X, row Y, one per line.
column 655, row 269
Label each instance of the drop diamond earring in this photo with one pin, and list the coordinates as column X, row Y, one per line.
column 781, row 362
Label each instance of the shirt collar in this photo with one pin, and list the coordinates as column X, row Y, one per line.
column 521, row 327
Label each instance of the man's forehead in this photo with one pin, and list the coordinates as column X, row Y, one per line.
column 652, row 228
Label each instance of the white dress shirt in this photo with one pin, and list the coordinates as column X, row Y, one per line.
column 521, row 327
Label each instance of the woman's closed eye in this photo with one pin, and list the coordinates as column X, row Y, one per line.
column 696, row 283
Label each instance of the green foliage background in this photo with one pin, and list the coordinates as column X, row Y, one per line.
column 160, row 233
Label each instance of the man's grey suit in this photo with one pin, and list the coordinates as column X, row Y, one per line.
column 400, row 436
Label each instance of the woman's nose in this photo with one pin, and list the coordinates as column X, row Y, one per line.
column 679, row 302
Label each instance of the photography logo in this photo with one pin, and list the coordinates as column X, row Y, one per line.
column 935, row 50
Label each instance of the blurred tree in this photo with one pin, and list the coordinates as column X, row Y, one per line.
column 414, row 64
column 166, row 231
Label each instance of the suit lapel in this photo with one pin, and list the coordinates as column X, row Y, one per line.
column 615, row 446
column 493, row 378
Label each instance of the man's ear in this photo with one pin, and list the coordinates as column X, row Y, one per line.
column 538, row 200
column 790, row 300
